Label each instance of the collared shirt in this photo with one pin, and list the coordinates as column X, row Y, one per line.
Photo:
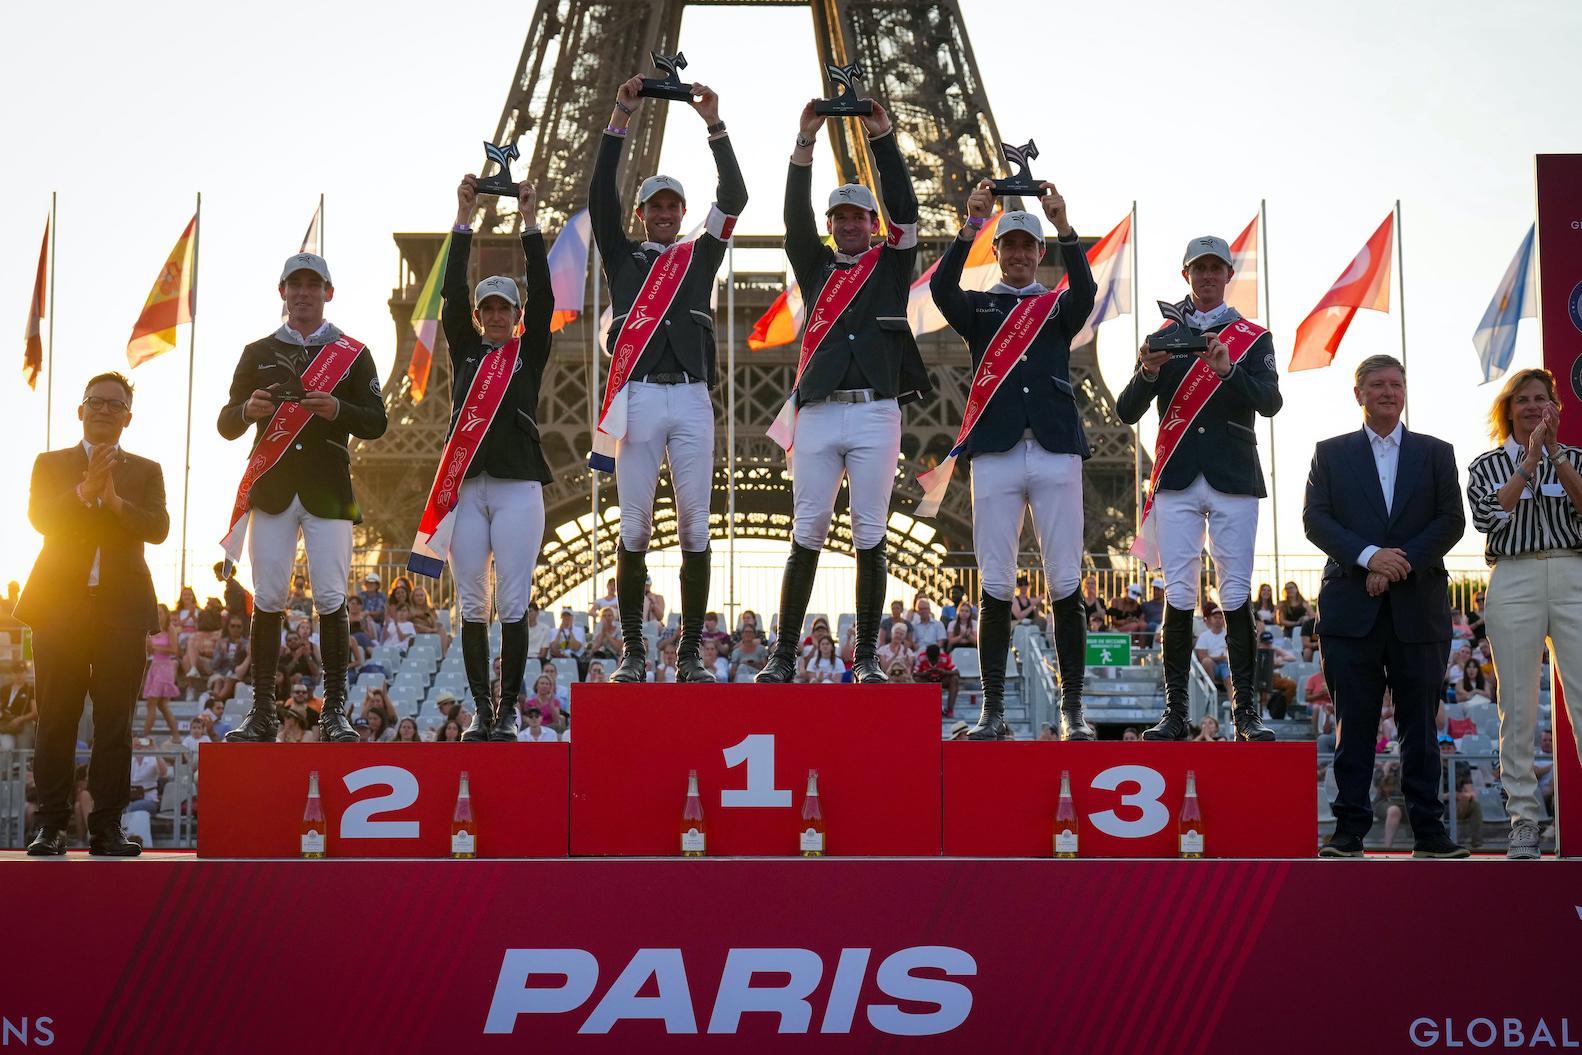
column 1203, row 320
column 1032, row 289
column 93, row 572
column 1544, row 518
column 290, row 336
column 1386, row 459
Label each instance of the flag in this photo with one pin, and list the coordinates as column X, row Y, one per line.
column 1111, row 263
column 312, row 242
column 1365, row 284
column 568, row 269
column 980, row 272
column 425, row 324
column 171, row 302
column 1242, row 293
column 33, row 357
column 1495, row 338
column 781, row 323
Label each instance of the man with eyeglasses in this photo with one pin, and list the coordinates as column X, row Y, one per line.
column 307, row 389
column 91, row 605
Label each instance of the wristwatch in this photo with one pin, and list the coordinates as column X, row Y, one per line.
column 804, row 141
column 716, row 128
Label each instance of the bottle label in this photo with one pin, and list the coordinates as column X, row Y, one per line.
column 1065, row 841
column 812, row 841
column 313, row 842
column 692, row 841
column 1192, row 842
column 463, row 842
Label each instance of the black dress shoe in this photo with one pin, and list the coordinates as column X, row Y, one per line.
column 112, row 842
column 1438, row 847
column 49, row 842
column 1342, row 844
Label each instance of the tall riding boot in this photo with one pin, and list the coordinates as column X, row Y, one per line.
column 335, row 648
column 631, row 580
column 1176, row 639
column 513, row 661
column 262, row 724
column 694, row 600
column 871, row 577
column 475, row 658
column 1241, row 644
column 1071, row 654
column 994, row 644
column 795, row 588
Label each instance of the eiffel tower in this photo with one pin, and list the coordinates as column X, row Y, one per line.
column 919, row 61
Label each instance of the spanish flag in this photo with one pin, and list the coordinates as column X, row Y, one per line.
column 170, row 303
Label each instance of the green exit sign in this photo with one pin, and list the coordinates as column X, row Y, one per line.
column 1109, row 650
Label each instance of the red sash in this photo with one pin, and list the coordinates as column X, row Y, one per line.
column 1015, row 335
column 327, row 370
column 1191, row 395
column 643, row 321
column 839, row 290
column 478, row 411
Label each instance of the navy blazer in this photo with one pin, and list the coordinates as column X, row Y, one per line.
column 1344, row 513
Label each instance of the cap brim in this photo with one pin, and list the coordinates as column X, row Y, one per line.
column 1211, row 253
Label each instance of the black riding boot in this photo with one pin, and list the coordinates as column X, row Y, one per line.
column 1241, row 644
column 795, row 588
column 513, row 661
column 994, row 643
column 262, row 724
column 694, row 600
column 1176, row 640
column 631, row 581
column 1071, row 654
column 335, row 649
column 475, row 658
column 871, row 575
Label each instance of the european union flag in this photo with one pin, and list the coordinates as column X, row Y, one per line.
column 1515, row 300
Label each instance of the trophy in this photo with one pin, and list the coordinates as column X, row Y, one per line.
column 846, row 104
column 500, row 183
column 669, row 86
column 1178, row 339
column 1022, row 182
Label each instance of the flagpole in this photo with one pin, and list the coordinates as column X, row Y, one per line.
column 730, row 430
column 1274, row 456
column 49, row 373
column 1137, row 431
column 594, row 406
column 1400, row 271
column 321, row 223
column 192, row 357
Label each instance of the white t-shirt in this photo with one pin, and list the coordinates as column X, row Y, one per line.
column 546, row 736
column 145, row 773
column 826, row 670
column 1212, row 643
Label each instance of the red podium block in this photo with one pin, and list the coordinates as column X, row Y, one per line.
column 876, row 749
column 1258, row 800
column 382, row 800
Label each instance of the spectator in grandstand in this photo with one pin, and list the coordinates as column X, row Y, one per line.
column 823, row 666
column 231, row 661
column 606, row 642
column 448, row 706
column 1475, row 617
column 1265, row 609
column 1046, row 732
column 449, row 732
column 365, row 730
column 425, row 620
column 1458, row 660
column 148, row 774
column 215, row 713
column 1213, row 652
column 538, row 635
column 562, row 692
column 1091, row 601
column 400, row 593
column 381, row 727
column 1208, row 730
column 197, row 733
column 1316, row 691
column 376, row 701
column 749, row 657
column 1474, row 687
column 298, row 600
column 1309, row 632
column 664, row 671
column 159, row 684
column 935, row 667
column 1154, row 609
column 301, row 699
column 198, row 659
column 1388, row 800
column 958, row 731
column 848, row 644
column 1293, row 609
column 1022, row 606
column 1459, row 630
column 653, row 603
column 713, row 662
column 596, row 674
column 898, row 672
column 1389, row 732
column 363, row 629
column 1130, row 733
column 18, row 711
column 1544, row 770
column 747, row 621
column 373, row 599
column 406, row 732
column 1526, row 497
column 545, row 700
column 299, row 658
column 947, row 612
column 568, row 642
column 1281, row 691
column 898, row 649
column 712, row 631
column 1126, row 615
column 926, row 630
column 1469, row 813
column 897, row 612
column 399, row 628
column 963, row 629
column 1324, row 725
column 535, row 731
column 1097, row 621
column 185, row 617
column 609, row 600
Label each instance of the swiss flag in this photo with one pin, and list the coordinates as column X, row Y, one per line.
column 1365, row 284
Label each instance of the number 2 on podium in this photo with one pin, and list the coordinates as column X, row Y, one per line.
column 758, row 751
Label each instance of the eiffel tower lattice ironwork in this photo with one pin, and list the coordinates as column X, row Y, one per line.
column 919, row 61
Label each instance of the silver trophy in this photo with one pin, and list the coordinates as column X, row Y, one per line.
column 846, row 104
column 669, row 86
column 1020, row 182
column 500, row 183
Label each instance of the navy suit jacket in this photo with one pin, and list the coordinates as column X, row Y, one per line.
column 1344, row 513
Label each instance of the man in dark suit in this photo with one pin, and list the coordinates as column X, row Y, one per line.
column 1385, row 505
column 91, row 605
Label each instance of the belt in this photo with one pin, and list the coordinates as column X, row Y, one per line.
column 851, row 395
column 1542, row 554
column 682, row 378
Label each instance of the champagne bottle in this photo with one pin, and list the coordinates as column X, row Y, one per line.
column 1066, row 825
column 693, row 831
column 463, row 829
column 812, row 834
column 1191, row 824
column 313, row 826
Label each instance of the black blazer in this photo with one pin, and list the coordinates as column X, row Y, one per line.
column 1344, row 514
column 73, row 531
column 1222, row 445
column 511, row 450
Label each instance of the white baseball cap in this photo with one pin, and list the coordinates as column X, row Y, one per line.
column 654, row 184
column 1208, row 245
column 497, row 286
column 851, row 194
column 1017, row 220
column 306, row 262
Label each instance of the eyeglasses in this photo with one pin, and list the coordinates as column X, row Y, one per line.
column 96, row 403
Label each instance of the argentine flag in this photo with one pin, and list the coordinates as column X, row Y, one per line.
column 1495, row 338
